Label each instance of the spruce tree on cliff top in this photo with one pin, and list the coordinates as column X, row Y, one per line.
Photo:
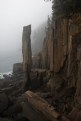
column 66, row 8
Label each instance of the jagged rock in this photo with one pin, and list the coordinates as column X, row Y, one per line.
column 58, row 45
column 61, row 53
column 4, row 102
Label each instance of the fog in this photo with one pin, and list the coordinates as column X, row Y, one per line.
column 14, row 14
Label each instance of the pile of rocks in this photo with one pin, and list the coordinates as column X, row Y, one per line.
column 11, row 110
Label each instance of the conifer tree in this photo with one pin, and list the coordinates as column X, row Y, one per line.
column 66, row 8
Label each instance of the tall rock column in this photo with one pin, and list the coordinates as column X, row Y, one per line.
column 26, row 50
column 58, row 45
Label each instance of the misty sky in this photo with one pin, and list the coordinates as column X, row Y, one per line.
column 14, row 14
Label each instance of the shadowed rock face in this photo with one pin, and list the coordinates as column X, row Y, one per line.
column 3, row 102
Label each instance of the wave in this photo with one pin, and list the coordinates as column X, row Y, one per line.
column 7, row 73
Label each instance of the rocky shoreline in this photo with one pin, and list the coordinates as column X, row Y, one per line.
column 12, row 99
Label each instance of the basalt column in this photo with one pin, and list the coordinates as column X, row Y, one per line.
column 26, row 50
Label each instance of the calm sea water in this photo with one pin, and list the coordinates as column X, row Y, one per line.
column 7, row 61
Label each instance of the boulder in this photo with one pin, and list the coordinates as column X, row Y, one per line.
column 13, row 110
column 4, row 102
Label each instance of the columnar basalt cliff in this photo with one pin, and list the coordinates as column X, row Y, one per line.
column 61, row 56
column 65, row 51
column 26, row 50
column 53, row 76
column 36, row 61
column 46, row 55
column 59, row 44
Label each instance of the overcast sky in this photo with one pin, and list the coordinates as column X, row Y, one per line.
column 14, row 14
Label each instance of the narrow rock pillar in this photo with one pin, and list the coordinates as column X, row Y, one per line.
column 26, row 51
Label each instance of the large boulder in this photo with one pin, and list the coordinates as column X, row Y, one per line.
column 13, row 110
column 4, row 102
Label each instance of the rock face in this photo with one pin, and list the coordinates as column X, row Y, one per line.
column 61, row 53
column 46, row 55
column 26, row 50
column 54, row 50
column 17, row 67
column 59, row 44
column 36, row 61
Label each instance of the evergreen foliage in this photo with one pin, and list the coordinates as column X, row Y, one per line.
column 66, row 8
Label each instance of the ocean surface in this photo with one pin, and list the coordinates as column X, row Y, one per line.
column 7, row 73
column 7, row 61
